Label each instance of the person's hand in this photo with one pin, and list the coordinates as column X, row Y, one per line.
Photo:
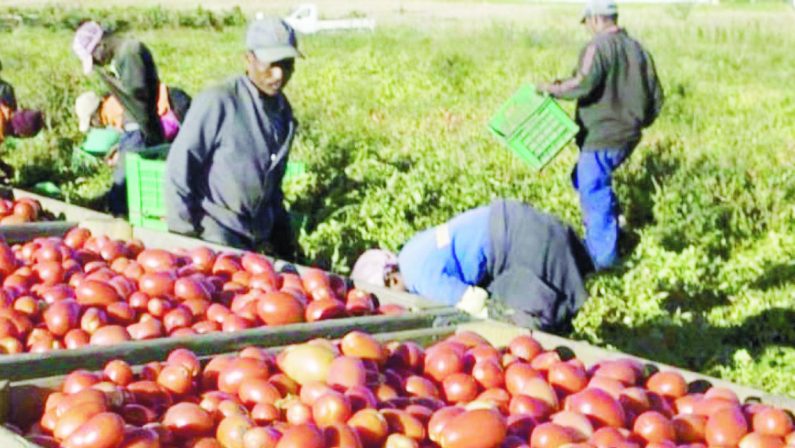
column 113, row 157
column 473, row 302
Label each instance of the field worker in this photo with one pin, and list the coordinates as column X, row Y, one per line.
column 531, row 265
column 618, row 94
column 21, row 123
column 94, row 111
column 134, row 82
column 225, row 168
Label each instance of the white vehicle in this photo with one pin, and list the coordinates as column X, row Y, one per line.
column 305, row 19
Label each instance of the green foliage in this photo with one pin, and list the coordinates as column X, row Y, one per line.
column 393, row 135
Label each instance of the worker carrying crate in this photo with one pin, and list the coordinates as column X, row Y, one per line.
column 618, row 94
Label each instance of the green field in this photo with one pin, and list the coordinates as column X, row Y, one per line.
column 393, row 135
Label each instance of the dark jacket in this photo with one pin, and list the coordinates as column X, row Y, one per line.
column 228, row 161
column 617, row 91
column 538, row 266
column 136, row 88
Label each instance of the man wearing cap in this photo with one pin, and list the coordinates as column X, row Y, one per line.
column 618, row 94
column 135, row 84
column 225, row 168
column 505, row 261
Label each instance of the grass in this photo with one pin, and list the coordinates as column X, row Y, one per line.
column 393, row 134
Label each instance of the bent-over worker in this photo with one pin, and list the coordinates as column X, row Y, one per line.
column 133, row 79
column 505, row 260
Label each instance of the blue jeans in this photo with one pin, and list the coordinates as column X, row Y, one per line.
column 593, row 180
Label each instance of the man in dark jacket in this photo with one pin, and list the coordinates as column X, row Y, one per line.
column 134, row 81
column 618, row 94
column 226, row 166
column 531, row 265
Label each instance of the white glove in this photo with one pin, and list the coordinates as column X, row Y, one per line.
column 473, row 302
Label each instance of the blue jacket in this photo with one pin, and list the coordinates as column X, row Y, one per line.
column 440, row 263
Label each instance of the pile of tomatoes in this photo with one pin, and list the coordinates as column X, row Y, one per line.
column 360, row 393
column 20, row 211
column 84, row 290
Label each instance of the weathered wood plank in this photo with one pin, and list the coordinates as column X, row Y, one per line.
column 20, row 233
column 35, row 365
column 70, row 212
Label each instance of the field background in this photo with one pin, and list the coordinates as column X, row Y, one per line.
column 393, row 133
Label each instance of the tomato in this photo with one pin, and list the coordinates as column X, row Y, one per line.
column 331, row 408
column 146, row 329
column 75, row 417
column 187, row 420
column 667, row 384
column 297, row 413
column 346, row 372
column 157, row 284
column 259, row 437
column 156, row 260
column 488, row 373
column 577, row 423
column 726, row 427
column 364, row 346
column 459, row 388
column 371, row 426
column 302, row 436
column 324, row 309
column 176, row 379
column 774, row 422
column 239, row 370
column 525, row 347
column 79, row 380
column 231, row 431
column 359, row 303
column 187, row 288
column 654, row 427
column 620, row 370
column 603, row 409
column 253, row 391
column 442, row 363
column 533, row 407
column 566, row 378
column 62, row 316
column 105, row 430
column 278, row 308
column 96, row 293
column 690, row 428
column 341, row 436
column 418, row 386
column 110, row 335
column 550, row 435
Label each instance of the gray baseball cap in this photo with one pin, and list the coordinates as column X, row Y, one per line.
column 271, row 40
column 599, row 8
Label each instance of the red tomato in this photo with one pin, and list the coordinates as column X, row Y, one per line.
column 726, row 427
column 187, row 420
column 654, row 427
column 278, row 308
column 525, row 347
column 603, row 409
column 459, row 388
column 240, row 369
column 667, row 384
column 331, row 408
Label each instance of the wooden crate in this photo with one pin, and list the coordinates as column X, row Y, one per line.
column 21, row 401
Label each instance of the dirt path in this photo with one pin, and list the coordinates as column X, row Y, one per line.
column 384, row 11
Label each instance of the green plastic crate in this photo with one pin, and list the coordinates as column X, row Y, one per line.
column 145, row 189
column 533, row 126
